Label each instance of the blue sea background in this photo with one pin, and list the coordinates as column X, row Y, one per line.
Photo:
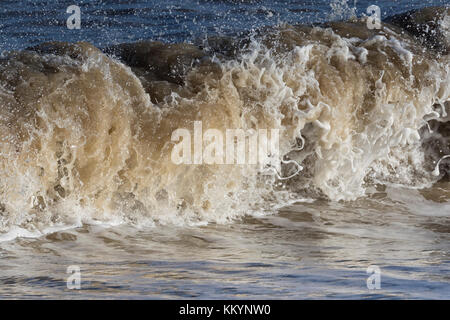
column 27, row 23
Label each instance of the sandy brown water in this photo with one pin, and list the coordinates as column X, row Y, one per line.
column 88, row 181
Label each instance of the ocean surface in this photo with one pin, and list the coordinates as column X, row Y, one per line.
column 88, row 180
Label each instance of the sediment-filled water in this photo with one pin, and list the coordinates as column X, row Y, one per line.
column 361, row 179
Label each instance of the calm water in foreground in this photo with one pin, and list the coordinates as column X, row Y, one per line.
column 315, row 250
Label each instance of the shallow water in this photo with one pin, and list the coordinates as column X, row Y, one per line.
column 310, row 247
column 307, row 250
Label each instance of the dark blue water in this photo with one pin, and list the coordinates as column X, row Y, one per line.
column 25, row 23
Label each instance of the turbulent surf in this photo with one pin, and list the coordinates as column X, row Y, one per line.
column 85, row 132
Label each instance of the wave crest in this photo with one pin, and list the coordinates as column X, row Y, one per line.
column 86, row 135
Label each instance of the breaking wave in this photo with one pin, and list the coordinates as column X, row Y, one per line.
column 85, row 133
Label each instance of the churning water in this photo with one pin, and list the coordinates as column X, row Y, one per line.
column 86, row 171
